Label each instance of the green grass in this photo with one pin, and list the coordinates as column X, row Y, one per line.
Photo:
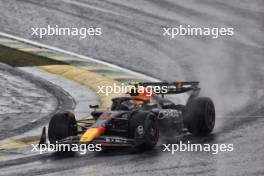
column 18, row 58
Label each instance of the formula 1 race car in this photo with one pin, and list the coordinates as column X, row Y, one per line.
column 137, row 121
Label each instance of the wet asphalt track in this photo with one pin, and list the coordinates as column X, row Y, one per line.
column 231, row 71
column 27, row 101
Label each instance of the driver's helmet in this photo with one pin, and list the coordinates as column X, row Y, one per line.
column 146, row 94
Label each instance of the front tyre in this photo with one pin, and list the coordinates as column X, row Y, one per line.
column 144, row 129
column 62, row 125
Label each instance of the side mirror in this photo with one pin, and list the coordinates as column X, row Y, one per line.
column 94, row 106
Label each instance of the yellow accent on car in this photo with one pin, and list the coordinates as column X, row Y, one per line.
column 90, row 135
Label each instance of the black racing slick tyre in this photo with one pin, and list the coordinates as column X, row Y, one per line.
column 199, row 116
column 62, row 125
column 143, row 127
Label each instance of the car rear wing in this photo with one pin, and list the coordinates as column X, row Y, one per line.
column 172, row 87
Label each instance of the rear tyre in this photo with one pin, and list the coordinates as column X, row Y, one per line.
column 144, row 129
column 62, row 125
column 199, row 116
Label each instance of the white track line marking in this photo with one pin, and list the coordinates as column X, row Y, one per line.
column 93, row 7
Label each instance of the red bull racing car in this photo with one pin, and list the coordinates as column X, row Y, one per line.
column 137, row 121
